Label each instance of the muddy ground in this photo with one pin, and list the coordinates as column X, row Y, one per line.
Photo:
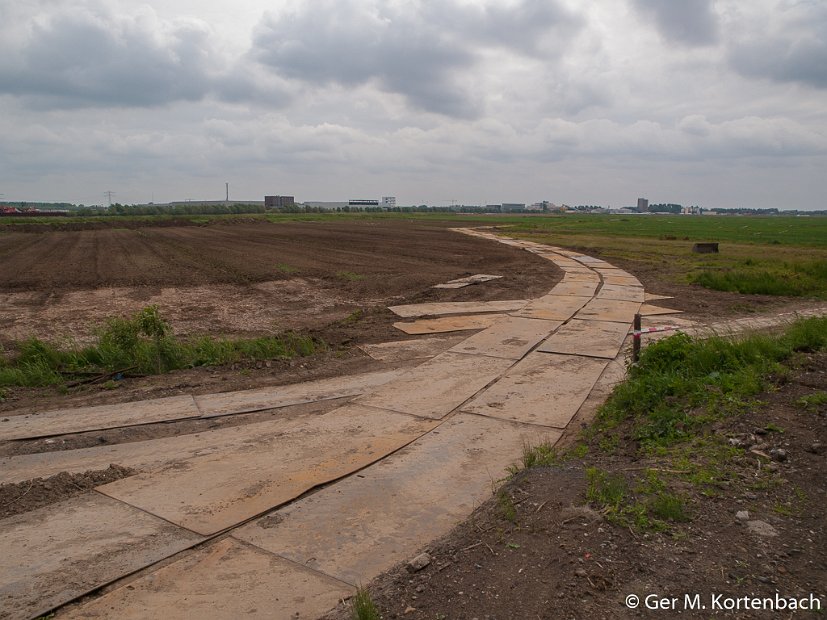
column 558, row 557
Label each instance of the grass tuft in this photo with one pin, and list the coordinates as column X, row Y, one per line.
column 812, row 402
column 669, row 507
column 362, row 606
column 792, row 279
column 507, row 507
column 286, row 268
column 350, row 276
column 604, row 489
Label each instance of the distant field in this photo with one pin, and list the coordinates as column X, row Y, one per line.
column 797, row 231
column 781, row 256
column 783, row 230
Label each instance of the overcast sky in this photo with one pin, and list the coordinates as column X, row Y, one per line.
column 720, row 103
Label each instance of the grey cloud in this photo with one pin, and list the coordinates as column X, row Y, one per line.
column 689, row 22
column 83, row 59
column 794, row 50
column 79, row 59
column 529, row 27
column 421, row 53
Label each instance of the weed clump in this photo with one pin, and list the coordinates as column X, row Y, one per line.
column 792, row 279
column 143, row 344
column 362, row 606
column 681, row 384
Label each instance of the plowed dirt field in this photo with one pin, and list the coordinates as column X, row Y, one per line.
column 246, row 276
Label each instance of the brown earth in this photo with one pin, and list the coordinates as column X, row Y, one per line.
column 33, row 494
column 558, row 557
column 244, row 278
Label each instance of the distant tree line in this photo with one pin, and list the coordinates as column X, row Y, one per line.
column 193, row 209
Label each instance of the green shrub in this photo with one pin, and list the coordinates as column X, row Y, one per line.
column 680, row 383
column 788, row 279
column 143, row 344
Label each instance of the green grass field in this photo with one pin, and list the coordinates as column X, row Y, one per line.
column 784, row 230
column 785, row 256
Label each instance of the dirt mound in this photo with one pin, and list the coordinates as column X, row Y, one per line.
column 21, row 497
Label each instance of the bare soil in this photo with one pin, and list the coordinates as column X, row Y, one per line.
column 244, row 277
column 559, row 558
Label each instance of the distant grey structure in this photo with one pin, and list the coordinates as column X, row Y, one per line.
column 279, row 202
column 388, row 202
column 643, row 205
column 359, row 202
column 510, row 207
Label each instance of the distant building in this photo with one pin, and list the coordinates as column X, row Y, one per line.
column 389, row 202
column 511, row 207
column 642, row 205
column 279, row 202
column 358, row 202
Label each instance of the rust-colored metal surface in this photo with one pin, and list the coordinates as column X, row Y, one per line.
column 150, row 454
column 591, row 338
column 593, row 263
column 478, row 278
column 402, row 350
column 244, row 401
column 653, row 297
column 650, row 310
column 510, row 338
column 448, row 324
column 621, row 292
column 457, row 307
column 211, row 493
column 574, row 288
column 57, row 553
column 581, row 275
column 64, row 421
column 552, row 307
column 364, row 525
column 609, row 310
column 622, row 280
column 226, row 580
column 544, row 388
column 438, row 386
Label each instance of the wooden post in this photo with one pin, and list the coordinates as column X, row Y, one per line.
column 636, row 340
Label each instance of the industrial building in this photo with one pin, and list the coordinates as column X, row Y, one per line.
column 279, row 202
